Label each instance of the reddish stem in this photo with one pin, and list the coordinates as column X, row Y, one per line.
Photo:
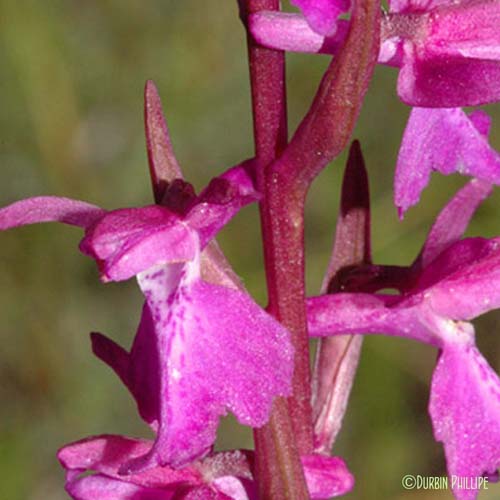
column 278, row 466
column 320, row 137
column 327, row 127
column 283, row 175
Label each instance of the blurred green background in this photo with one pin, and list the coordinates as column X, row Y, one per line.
column 71, row 124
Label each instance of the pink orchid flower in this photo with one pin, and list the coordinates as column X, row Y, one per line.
column 219, row 476
column 448, row 52
column 451, row 282
column 207, row 348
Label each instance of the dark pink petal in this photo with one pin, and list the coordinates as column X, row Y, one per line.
column 107, row 453
column 163, row 164
column 291, row 32
column 357, row 313
column 221, row 200
column 418, row 6
column 466, row 279
column 131, row 240
column 465, row 412
column 482, row 122
column 455, row 262
column 139, row 370
column 322, row 14
column 220, row 476
column 466, row 29
column 326, row 476
column 204, row 492
column 435, row 80
column 220, row 352
column 444, row 140
column 49, row 209
column 102, row 487
column 391, row 51
column 112, row 354
column 231, row 487
column 453, row 220
column 451, row 51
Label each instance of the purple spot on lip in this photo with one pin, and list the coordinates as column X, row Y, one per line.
column 156, row 275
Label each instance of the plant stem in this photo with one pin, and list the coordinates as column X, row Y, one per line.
column 320, row 137
column 283, row 176
column 278, row 466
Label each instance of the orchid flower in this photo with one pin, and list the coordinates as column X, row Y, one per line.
column 219, row 476
column 448, row 52
column 451, row 282
column 208, row 348
column 447, row 141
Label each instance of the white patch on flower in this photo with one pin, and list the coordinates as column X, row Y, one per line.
column 176, row 374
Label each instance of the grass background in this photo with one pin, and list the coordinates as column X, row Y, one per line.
column 71, row 124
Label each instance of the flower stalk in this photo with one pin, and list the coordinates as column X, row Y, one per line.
column 283, row 176
column 278, row 467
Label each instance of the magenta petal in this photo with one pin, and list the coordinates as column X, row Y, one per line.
column 220, row 201
column 430, row 80
column 418, row 6
column 49, row 209
column 326, row 476
column 322, row 14
column 139, row 370
column 467, row 279
column 453, row 220
column 112, row 354
column 221, row 476
column 467, row 29
column 231, row 487
column 102, row 487
column 131, row 240
column 356, row 313
column 482, row 121
column 106, row 454
column 447, row 141
column 220, row 352
column 465, row 412
column 291, row 32
column 204, row 492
